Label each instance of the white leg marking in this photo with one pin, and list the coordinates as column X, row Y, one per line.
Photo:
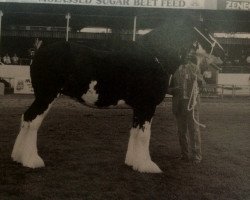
column 131, row 147
column 30, row 157
column 18, row 146
column 141, row 158
column 25, row 147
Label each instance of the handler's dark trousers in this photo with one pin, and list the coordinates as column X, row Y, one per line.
column 187, row 125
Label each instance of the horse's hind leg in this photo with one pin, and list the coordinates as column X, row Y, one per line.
column 25, row 147
column 138, row 155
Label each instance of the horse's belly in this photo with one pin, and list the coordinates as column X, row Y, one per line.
column 92, row 98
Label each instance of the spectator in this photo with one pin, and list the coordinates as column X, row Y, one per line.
column 15, row 59
column 6, row 60
column 243, row 57
column 32, row 52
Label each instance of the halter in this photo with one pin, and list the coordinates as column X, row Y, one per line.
column 213, row 43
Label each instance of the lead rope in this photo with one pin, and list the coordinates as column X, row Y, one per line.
column 193, row 96
column 212, row 49
column 195, row 88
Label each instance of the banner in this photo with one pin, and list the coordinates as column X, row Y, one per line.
column 23, row 86
column 234, row 4
column 178, row 4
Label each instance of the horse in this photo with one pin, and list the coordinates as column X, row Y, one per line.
column 132, row 75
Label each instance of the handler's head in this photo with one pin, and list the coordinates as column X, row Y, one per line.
column 191, row 57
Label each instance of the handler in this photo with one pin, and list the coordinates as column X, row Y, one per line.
column 186, row 102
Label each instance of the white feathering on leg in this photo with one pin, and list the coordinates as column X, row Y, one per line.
column 142, row 160
column 19, row 143
column 25, row 147
column 131, row 147
column 30, row 157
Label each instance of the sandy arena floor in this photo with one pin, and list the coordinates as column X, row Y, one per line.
column 84, row 151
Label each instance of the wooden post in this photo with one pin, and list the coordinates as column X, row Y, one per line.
column 233, row 90
column 222, row 91
column 1, row 15
column 134, row 30
column 67, row 17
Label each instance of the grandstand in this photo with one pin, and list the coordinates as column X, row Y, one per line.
column 23, row 21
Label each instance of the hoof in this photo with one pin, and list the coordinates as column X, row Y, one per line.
column 147, row 167
column 129, row 161
column 34, row 161
column 16, row 157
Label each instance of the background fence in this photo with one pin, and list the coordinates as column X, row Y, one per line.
column 209, row 90
column 222, row 90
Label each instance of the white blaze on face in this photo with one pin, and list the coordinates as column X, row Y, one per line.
column 201, row 51
column 201, row 54
column 214, row 60
column 90, row 97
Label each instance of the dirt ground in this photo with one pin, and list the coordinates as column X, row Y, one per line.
column 84, row 151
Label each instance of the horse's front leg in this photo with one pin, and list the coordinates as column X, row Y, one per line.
column 138, row 155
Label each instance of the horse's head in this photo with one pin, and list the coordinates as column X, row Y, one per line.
column 207, row 47
column 173, row 41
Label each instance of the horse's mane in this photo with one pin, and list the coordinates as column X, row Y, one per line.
column 170, row 36
column 170, row 40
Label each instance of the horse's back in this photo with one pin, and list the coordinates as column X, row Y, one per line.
column 70, row 67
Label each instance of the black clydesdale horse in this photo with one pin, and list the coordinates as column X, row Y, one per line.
column 133, row 75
